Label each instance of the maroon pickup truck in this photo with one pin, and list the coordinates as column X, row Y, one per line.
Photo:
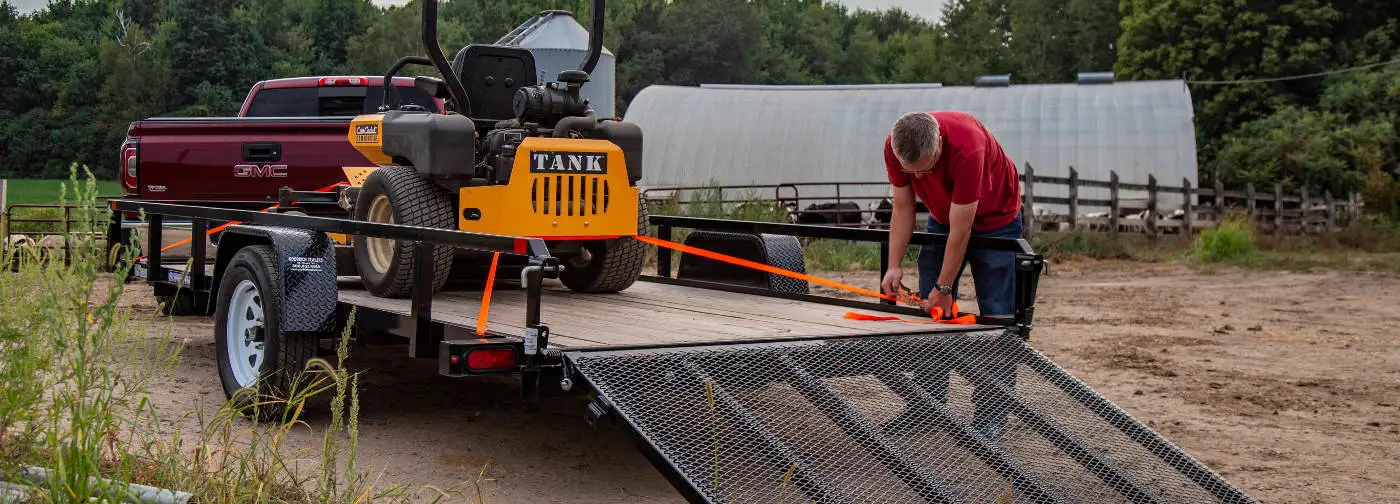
column 289, row 132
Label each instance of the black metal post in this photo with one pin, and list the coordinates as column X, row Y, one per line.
column 426, row 335
column 884, row 267
column 663, row 254
column 198, row 228
column 1028, row 268
column 831, row 405
column 153, row 244
column 536, row 333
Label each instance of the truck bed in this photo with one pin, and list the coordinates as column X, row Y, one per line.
column 646, row 313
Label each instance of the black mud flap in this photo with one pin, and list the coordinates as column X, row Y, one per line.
column 977, row 417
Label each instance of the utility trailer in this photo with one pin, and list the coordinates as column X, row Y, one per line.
column 737, row 387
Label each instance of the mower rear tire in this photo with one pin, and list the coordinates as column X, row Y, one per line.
column 400, row 195
column 607, row 266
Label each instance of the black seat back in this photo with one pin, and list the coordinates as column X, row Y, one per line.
column 491, row 75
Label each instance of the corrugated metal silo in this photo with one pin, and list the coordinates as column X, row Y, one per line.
column 559, row 43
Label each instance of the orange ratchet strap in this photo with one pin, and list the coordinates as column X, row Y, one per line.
column 905, row 295
column 486, row 296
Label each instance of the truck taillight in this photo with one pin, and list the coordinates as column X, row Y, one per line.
column 344, row 81
column 129, row 165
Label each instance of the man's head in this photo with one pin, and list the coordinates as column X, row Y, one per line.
column 916, row 142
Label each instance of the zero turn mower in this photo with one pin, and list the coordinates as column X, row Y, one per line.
column 509, row 156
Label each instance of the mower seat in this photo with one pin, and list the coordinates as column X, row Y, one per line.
column 491, row 75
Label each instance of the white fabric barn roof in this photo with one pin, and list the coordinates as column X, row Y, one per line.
column 741, row 134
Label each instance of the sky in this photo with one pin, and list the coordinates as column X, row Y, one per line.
column 928, row 9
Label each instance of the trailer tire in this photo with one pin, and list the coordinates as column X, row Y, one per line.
column 614, row 264
column 399, row 194
column 249, row 303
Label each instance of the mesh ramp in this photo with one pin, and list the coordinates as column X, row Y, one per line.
column 975, row 416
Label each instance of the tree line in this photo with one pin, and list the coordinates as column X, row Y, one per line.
column 73, row 75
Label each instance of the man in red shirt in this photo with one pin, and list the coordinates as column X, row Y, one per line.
column 970, row 186
column 957, row 168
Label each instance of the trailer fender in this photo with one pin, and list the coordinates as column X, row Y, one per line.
column 774, row 250
column 306, row 261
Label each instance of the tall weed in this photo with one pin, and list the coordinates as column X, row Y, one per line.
column 75, row 368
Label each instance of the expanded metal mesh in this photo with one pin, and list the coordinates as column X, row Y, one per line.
column 962, row 417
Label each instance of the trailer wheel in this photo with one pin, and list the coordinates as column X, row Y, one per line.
column 607, row 266
column 398, row 194
column 258, row 363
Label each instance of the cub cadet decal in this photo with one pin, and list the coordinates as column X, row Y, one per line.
column 584, row 163
column 367, row 133
column 260, row 171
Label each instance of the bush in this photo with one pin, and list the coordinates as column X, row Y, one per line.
column 1372, row 233
column 1232, row 240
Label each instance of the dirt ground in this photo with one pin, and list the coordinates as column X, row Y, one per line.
column 1286, row 383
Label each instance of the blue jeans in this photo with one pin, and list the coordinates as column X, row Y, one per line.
column 993, row 273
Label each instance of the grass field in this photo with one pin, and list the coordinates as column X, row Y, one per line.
column 37, row 191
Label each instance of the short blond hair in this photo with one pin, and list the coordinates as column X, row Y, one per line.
column 914, row 136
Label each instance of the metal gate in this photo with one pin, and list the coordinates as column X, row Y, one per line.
column 949, row 417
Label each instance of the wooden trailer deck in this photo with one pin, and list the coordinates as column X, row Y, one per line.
column 646, row 313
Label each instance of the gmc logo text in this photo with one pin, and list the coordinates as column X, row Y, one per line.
column 260, row 171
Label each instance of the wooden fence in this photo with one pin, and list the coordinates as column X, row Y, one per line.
column 1271, row 211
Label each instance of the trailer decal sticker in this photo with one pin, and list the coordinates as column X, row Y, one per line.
column 307, row 264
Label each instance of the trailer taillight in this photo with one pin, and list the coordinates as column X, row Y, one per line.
column 344, row 81
column 491, row 359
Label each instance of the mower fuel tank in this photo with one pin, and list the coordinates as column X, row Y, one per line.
column 441, row 147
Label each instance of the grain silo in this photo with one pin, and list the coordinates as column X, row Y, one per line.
column 559, row 43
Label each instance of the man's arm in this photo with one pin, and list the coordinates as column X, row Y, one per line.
column 901, row 224
column 959, row 231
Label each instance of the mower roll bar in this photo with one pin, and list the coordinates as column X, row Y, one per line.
column 430, row 42
column 454, row 84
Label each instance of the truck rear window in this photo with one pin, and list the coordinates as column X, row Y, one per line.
column 329, row 101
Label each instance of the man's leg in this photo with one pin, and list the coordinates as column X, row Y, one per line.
column 994, row 275
column 930, row 261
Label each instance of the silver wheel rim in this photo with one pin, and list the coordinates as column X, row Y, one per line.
column 244, row 335
column 380, row 250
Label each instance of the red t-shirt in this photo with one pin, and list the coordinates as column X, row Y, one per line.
column 972, row 167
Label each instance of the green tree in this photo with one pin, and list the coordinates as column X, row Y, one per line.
column 395, row 34
column 195, row 61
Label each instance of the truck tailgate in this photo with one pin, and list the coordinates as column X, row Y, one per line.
column 237, row 159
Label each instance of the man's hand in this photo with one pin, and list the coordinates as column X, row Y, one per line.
column 893, row 277
column 940, row 300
